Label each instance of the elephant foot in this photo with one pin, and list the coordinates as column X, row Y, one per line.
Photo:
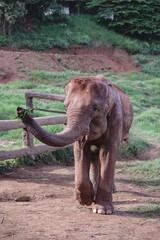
column 103, row 207
column 107, row 209
column 85, row 194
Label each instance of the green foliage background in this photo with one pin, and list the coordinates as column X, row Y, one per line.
column 134, row 17
column 12, row 11
column 138, row 18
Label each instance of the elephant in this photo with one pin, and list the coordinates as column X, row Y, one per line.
column 99, row 116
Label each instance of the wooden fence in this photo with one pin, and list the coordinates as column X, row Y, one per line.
column 28, row 148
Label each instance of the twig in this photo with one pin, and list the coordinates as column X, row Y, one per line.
column 45, row 110
column 2, row 221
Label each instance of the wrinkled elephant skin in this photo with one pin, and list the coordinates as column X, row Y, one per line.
column 99, row 116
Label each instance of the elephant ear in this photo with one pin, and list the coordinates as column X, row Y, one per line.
column 105, row 87
column 106, row 92
column 110, row 94
column 108, row 97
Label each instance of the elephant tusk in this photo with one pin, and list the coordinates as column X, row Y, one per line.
column 82, row 141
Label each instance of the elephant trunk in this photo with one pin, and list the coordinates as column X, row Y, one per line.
column 66, row 137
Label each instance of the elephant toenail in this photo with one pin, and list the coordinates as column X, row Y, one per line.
column 101, row 211
column 109, row 212
column 94, row 210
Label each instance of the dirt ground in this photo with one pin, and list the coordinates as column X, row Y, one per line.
column 15, row 63
column 38, row 203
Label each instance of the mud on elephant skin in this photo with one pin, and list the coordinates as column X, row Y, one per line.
column 99, row 116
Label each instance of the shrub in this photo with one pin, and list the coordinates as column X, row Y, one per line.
column 134, row 17
column 152, row 68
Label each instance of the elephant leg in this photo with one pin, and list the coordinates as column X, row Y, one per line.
column 103, row 203
column 114, row 189
column 83, row 186
column 94, row 172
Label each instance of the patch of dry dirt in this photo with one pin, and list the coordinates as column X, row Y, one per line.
column 153, row 153
column 14, row 63
column 38, row 203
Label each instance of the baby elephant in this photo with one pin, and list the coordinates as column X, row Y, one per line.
column 99, row 116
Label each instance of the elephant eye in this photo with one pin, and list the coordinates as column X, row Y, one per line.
column 94, row 109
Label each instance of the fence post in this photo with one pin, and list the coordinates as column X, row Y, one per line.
column 27, row 137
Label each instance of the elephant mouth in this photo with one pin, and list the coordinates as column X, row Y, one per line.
column 82, row 141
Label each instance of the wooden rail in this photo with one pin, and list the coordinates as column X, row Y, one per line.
column 28, row 148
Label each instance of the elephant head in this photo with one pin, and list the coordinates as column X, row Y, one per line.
column 87, row 103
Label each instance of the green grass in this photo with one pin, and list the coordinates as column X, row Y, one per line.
column 150, row 64
column 57, row 79
column 63, row 156
column 141, row 59
column 79, row 30
column 144, row 92
column 143, row 173
column 9, row 102
column 135, row 147
column 152, row 68
column 9, row 99
column 151, row 210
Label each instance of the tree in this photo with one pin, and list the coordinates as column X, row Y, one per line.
column 10, row 11
column 134, row 17
column 44, row 10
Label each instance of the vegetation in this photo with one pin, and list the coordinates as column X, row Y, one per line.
column 144, row 173
column 39, row 24
column 136, row 146
column 63, row 156
column 49, row 10
column 150, row 68
column 49, row 35
column 12, row 12
column 151, row 210
column 132, row 17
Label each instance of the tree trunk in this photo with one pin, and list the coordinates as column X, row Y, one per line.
column 3, row 25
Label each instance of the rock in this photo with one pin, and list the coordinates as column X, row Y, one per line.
column 23, row 199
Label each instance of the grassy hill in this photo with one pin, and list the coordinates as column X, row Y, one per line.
column 82, row 29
